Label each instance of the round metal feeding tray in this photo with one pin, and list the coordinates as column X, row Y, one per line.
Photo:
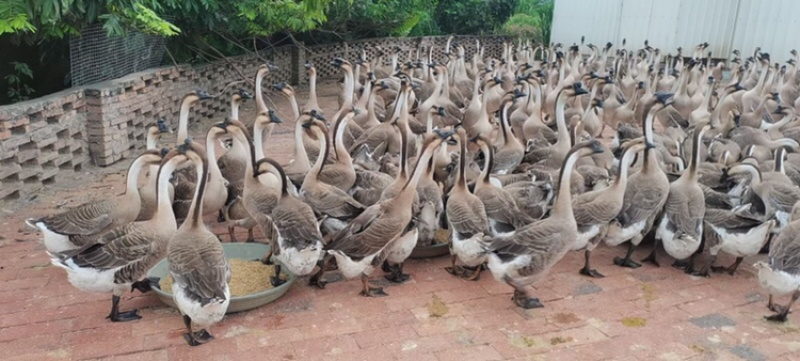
column 245, row 251
column 435, row 249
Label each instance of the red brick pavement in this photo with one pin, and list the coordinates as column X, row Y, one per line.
column 644, row 314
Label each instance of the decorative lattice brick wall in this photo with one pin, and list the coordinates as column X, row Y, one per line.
column 40, row 139
column 106, row 122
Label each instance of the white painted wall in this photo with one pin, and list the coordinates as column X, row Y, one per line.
column 725, row 24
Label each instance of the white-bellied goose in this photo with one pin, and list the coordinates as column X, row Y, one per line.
column 200, row 272
column 527, row 255
column 645, row 194
column 330, row 202
column 780, row 274
column 360, row 246
column 681, row 226
column 595, row 209
column 467, row 220
column 121, row 258
column 79, row 227
column 298, row 243
column 733, row 232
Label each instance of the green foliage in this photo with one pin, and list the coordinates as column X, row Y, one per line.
column 17, row 81
column 522, row 26
column 473, row 16
column 532, row 20
column 372, row 18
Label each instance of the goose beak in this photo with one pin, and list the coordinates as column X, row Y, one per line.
column 648, row 145
column 441, row 112
column 596, row 147
column 278, row 86
column 272, row 67
column 444, row 134
column 273, row 117
column 203, row 95
column 244, row 94
column 316, row 115
column 162, row 126
column 307, row 124
column 308, row 65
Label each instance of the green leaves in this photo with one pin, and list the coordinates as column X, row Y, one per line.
column 18, row 88
column 14, row 17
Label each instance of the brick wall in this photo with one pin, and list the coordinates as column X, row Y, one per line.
column 106, row 122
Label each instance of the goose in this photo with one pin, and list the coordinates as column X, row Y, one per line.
column 645, row 194
column 80, row 227
column 235, row 212
column 309, row 144
column 200, row 272
column 187, row 102
column 501, row 209
column 311, row 103
column 298, row 244
column 595, row 209
column 466, row 219
column 681, row 226
column 340, row 173
column 217, row 185
column 261, row 190
column 733, row 232
column 334, row 204
column 147, row 191
column 360, row 246
column 780, row 274
column 510, row 151
column 121, row 258
column 553, row 155
column 527, row 255
column 353, row 130
column 769, row 198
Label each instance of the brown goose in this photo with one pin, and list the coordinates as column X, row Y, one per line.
column 298, row 241
column 501, row 209
column 148, row 190
column 645, row 194
column 527, row 255
column 509, row 149
column 200, row 272
column 79, row 227
column 340, row 173
column 467, row 220
column 360, row 246
column 332, row 203
column 681, row 226
column 552, row 156
column 594, row 210
column 780, row 275
column 120, row 259
column 733, row 232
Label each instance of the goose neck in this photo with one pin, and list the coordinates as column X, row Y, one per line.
column 563, row 205
column 235, row 108
column 261, row 106
column 183, row 121
column 164, row 206
column 196, row 209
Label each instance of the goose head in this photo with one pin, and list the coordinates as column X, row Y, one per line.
column 341, row 64
column 242, row 94
column 195, row 95
column 159, row 128
column 283, row 88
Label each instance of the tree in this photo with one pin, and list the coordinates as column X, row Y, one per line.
column 473, row 16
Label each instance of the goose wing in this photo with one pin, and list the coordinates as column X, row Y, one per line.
column 784, row 252
column 467, row 215
column 200, row 269
column 641, row 200
column 782, row 197
column 368, row 233
column 296, row 223
column 500, row 206
column 332, row 201
column 121, row 247
column 592, row 208
column 685, row 209
column 84, row 220
column 727, row 219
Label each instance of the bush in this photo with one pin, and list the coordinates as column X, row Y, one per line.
column 532, row 20
column 473, row 16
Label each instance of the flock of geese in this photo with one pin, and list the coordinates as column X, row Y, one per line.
column 500, row 152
